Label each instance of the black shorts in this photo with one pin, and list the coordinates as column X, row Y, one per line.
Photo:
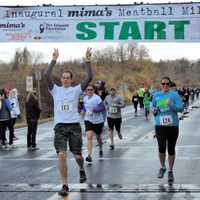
column 68, row 133
column 97, row 128
column 114, row 123
column 167, row 137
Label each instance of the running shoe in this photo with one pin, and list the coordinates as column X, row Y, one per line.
column 12, row 146
column 170, row 177
column 29, row 148
column 120, row 136
column 4, row 146
column 64, row 191
column 161, row 172
column 112, row 147
column 35, row 148
column 88, row 159
column 100, row 153
column 83, row 177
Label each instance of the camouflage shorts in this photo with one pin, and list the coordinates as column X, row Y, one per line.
column 68, row 133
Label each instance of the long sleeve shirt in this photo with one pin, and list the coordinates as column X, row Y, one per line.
column 166, row 105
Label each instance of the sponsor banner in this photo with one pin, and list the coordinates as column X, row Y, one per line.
column 178, row 22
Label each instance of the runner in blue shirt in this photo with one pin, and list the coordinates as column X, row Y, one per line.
column 165, row 106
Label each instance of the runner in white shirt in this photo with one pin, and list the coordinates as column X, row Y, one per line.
column 66, row 118
column 94, row 120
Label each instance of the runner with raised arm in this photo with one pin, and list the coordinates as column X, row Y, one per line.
column 66, row 117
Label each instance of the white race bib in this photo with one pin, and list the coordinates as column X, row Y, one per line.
column 166, row 120
column 90, row 114
column 65, row 106
column 112, row 110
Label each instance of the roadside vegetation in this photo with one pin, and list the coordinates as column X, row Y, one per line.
column 125, row 67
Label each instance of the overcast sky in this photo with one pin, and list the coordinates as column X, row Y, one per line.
column 157, row 51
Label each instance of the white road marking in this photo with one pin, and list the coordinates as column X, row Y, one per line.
column 47, row 169
column 149, row 135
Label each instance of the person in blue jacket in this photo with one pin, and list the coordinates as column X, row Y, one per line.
column 5, row 109
column 165, row 106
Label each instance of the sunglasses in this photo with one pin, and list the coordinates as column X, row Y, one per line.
column 165, row 83
column 66, row 77
column 90, row 89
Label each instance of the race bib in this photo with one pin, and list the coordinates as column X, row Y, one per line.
column 135, row 99
column 65, row 106
column 166, row 120
column 112, row 110
column 90, row 114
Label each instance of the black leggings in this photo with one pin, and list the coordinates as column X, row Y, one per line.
column 11, row 125
column 3, row 126
column 31, row 134
column 167, row 136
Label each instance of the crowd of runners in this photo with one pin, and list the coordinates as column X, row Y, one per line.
column 96, row 105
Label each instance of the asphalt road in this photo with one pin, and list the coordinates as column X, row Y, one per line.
column 128, row 172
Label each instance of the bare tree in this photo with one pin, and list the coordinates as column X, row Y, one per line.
column 132, row 51
column 16, row 61
column 121, row 52
column 143, row 53
column 36, row 57
column 26, row 57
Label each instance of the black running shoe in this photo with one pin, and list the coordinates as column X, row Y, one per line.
column 161, row 172
column 112, row 147
column 88, row 159
column 100, row 153
column 170, row 177
column 83, row 177
column 120, row 136
column 64, row 191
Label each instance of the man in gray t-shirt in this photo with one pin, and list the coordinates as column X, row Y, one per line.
column 66, row 117
column 114, row 103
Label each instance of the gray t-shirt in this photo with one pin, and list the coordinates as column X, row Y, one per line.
column 113, row 106
column 66, row 104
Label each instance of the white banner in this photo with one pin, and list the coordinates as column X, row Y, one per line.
column 179, row 22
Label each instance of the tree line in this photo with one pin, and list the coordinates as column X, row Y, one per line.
column 126, row 66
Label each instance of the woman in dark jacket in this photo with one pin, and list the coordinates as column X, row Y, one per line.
column 5, row 109
column 32, row 116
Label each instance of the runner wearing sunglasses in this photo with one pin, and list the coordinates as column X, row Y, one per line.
column 165, row 106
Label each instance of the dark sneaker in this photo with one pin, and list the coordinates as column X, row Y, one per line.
column 100, row 153
column 64, row 191
column 89, row 159
column 29, row 148
column 112, row 147
column 120, row 136
column 35, row 148
column 83, row 177
column 4, row 146
column 12, row 146
column 170, row 177
column 161, row 172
